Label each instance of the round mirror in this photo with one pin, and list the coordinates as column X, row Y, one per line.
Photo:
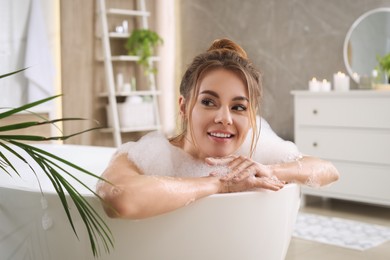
column 368, row 37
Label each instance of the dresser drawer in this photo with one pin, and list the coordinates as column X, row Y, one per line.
column 357, row 145
column 333, row 110
column 362, row 182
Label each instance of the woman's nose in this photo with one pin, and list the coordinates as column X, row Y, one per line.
column 223, row 116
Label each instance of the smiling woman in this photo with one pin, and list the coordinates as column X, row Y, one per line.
column 222, row 100
column 220, row 149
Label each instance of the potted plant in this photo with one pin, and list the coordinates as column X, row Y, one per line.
column 384, row 67
column 141, row 43
column 50, row 164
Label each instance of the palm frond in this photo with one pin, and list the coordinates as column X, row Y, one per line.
column 42, row 138
column 11, row 73
column 15, row 153
column 23, row 125
column 98, row 231
column 26, row 107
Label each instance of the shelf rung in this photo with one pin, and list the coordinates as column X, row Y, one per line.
column 115, row 35
column 131, row 58
column 139, row 128
column 118, row 35
column 114, row 11
column 133, row 93
column 133, row 129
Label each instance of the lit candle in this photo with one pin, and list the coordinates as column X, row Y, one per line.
column 325, row 86
column 314, row 85
column 340, row 82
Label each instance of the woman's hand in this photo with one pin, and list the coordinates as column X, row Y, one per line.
column 245, row 174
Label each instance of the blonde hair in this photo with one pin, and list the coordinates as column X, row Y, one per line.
column 230, row 56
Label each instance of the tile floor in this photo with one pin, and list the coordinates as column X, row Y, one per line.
column 307, row 250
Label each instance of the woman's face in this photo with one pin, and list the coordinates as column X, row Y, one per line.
column 220, row 117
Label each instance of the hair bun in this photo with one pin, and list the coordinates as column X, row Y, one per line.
column 226, row 44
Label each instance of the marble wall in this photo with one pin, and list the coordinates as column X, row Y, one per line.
column 290, row 41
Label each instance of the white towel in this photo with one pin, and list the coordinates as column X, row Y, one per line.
column 38, row 56
column 5, row 53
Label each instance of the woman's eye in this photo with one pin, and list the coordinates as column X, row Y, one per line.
column 207, row 102
column 239, row 108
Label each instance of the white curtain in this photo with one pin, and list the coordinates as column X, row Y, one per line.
column 13, row 21
column 166, row 67
column 23, row 23
column 38, row 58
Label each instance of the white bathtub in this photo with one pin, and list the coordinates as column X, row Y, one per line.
column 248, row 225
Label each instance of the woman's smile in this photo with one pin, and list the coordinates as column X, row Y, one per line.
column 220, row 136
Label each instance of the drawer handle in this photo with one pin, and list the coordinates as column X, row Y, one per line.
column 315, row 144
column 315, row 112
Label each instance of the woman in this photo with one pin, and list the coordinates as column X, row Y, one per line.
column 220, row 95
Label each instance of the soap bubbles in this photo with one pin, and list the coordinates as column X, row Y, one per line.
column 154, row 155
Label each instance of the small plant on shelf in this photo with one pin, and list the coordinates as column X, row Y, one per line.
column 141, row 43
column 384, row 67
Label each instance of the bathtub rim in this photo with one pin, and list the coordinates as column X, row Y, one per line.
column 88, row 195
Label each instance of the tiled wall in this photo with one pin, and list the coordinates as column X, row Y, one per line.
column 290, row 41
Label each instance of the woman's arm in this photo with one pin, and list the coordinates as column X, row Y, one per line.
column 133, row 195
column 310, row 171
column 307, row 170
column 129, row 194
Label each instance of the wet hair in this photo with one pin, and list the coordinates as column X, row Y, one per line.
column 222, row 54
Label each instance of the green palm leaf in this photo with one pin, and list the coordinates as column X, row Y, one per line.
column 35, row 123
column 11, row 73
column 52, row 165
column 26, row 107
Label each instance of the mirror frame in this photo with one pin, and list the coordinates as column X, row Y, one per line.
column 349, row 33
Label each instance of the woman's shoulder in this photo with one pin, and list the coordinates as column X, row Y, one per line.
column 151, row 154
column 270, row 148
column 149, row 138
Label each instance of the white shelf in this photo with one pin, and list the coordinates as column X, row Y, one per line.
column 118, row 35
column 130, row 129
column 114, row 11
column 115, row 35
column 133, row 93
column 131, row 58
column 128, row 58
column 139, row 128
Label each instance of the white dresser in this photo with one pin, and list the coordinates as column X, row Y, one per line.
column 352, row 130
